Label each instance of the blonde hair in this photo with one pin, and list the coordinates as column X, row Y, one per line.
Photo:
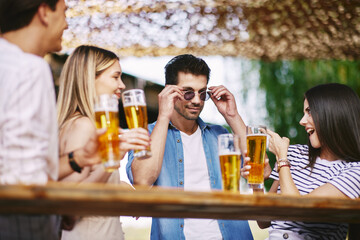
column 77, row 81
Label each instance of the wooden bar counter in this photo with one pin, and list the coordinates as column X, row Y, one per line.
column 99, row 199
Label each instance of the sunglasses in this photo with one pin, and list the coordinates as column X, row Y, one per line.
column 204, row 96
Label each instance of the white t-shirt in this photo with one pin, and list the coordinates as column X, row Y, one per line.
column 28, row 125
column 196, row 178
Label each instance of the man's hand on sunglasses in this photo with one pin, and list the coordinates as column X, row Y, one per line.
column 167, row 98
column 224, row 101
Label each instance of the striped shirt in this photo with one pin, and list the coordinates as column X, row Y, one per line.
column 344, row 176
column 28, row 136
column 28, row 125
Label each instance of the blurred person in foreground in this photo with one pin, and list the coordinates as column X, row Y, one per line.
column 28, row 129
column 186, row 153
column 89, row 72
column 329, row 166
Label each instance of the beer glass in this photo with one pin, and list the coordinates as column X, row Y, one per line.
column 256, row 150
column 229, row 155
column 106, row 116
column 136, row 115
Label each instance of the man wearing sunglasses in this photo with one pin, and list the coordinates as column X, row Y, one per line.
column 184, row 148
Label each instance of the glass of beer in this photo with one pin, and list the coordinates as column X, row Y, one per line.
column 106, row 116
column 256, row 150
column 136, row 115
column 229, row 155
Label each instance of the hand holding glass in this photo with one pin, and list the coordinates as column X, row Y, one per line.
column 106, row 116
column 136, row 115
column 256, row 150
column 229, row 155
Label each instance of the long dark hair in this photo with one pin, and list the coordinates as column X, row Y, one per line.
column 335, row 109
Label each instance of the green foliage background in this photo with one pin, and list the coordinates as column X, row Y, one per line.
column 285, row 83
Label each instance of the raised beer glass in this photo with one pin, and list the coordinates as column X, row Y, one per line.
column 229, row 155
column 136, row 115
column 256, row 150
column 106, row 116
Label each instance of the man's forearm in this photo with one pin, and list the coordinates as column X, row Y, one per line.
column 238, row 127
column 64, row 167
column 146, row 171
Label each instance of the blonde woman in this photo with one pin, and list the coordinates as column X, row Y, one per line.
column 90, row 71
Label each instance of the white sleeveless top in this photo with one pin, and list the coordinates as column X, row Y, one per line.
column 97, row 227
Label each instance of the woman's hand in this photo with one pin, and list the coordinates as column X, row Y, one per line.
column 133, row 139
column 246, row 168
column 278, row 145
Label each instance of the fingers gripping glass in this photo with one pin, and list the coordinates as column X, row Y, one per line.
column 204, row 96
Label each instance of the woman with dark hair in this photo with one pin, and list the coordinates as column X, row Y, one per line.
column 329, row 166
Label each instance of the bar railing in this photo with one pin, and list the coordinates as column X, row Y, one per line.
column 115, row 200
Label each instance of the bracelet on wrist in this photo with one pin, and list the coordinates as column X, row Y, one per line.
column 282, row 163
column 74, row 166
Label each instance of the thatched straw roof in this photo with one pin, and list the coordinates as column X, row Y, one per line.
column 255, row 29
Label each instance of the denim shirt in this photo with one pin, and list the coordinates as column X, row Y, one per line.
column 172, row 175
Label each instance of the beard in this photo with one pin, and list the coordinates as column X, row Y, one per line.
column 186, row 113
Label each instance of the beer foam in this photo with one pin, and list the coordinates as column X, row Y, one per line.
column 129, row 104
column 257, row 134
column 228, row 152
column 106, row 103
column 106, row 109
